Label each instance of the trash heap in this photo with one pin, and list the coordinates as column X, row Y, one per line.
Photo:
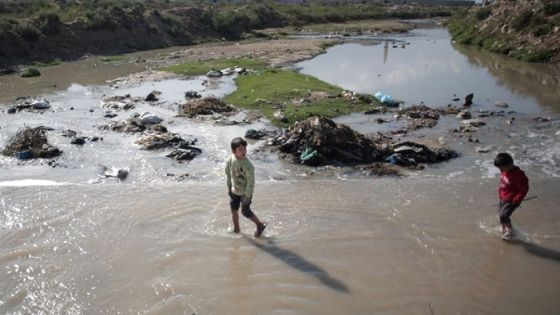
column 206, row 106
column 320, row 141
column 31, row 143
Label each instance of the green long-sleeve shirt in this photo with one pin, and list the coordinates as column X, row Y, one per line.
column 240, row 175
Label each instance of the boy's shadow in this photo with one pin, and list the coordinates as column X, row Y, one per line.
column 537, row 250
column 296, row 261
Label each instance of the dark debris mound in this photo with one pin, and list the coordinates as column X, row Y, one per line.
column 31, row 143
column 320, row 141
column 412, row 154
column 206, row 106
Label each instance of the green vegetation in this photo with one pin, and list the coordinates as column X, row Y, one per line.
column 521, row 31
column 202, row 67
column 483, row 13
column 136, row 24
column 55, row 62
column 259, row 91
column 30, row 72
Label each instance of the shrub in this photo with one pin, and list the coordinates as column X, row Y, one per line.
column 483, row 13
column 551, row 7
column 522, row 20
column 30, row 72
column 27, row 31
column 543, row 29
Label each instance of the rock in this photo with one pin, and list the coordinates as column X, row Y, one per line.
column 379, row 169
column 473, row 122
column 239, row 70
column 78, row 141
column 151, row 98
column 12, row 110
column 148, row 118
column 468, row 129
column 30, row 143
column 542, row 119
column 468, row 100
column 449, row 110
column 255, row 134
column 227, row 71
column 416, row 124
column 222, row 121
column 110, row 115
column 69, row 133
column 118, row 102
column 485, row 149
column 164, row 140
column 192, row 94
column 214, row 74
column 120, row 173
column 419, row 111
column 456, row 99
column 206, row 106
column 279, row 115
column 30, row 103
column 186, row 154
column 464, row 114
column 376, row 110
column 501, row 104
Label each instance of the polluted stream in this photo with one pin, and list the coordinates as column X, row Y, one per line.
column 337, row 241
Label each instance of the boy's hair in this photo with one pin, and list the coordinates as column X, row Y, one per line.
column 503, row 159
column 237, row 142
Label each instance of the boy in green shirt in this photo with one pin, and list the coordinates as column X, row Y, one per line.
column 240, row 175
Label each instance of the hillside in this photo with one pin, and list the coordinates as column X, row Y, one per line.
column 526, row 29
column 44, row 30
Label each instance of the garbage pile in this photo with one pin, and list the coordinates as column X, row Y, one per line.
column 206, row 106
column 320, row 141
column 31, row 143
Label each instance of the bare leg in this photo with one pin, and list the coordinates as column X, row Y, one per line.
column 256, row 221
column 259, row 224
column 235, row 217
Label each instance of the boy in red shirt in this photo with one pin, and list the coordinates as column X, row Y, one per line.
column 514, row 186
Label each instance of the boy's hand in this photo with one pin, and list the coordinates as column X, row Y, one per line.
column 230, row 193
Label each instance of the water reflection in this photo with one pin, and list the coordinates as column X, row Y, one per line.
column 432, row 70
column 539, row 80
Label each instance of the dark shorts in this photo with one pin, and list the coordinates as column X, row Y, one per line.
column 235, row 203
column 505, row 209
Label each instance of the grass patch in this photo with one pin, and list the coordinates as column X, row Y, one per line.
column 52, row 63
column 30, row 72
column 202, row 67
column 282, row 87
column 115, row 58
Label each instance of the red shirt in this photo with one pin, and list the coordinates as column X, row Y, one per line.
column 514, row 185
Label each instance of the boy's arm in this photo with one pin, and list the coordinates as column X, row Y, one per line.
column 250, row 181
column 228, row 174
column 522, row 183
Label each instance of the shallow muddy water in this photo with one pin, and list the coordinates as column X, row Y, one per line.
column 337, row 242
column 431, row 70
